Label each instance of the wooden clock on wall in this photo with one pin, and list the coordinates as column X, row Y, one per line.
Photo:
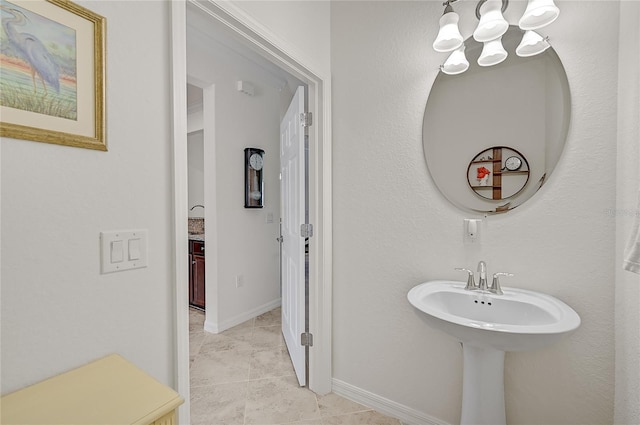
column 253, row 178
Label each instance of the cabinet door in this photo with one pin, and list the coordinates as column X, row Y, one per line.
column 198, row 281
column 191, row 279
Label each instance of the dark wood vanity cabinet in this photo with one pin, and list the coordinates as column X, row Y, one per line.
column 196, row 273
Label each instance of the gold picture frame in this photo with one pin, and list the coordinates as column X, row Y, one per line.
column 55, row 95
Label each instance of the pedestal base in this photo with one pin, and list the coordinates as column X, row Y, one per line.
column 483, row 386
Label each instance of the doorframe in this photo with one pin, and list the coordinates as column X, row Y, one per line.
column 280, row 53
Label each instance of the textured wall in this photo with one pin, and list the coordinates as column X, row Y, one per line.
column 627, row 405
column 302, row 27
column 195, row 152
column 58, row 311
column 393, row 229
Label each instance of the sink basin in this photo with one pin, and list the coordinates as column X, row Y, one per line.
column 488, row 325
column 515, row 321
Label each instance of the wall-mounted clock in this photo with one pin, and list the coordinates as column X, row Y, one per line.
column 253, row 178
column 513, row 163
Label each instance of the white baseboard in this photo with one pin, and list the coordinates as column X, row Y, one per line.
column 216, row 328
column 405, row 414
column 210, row 326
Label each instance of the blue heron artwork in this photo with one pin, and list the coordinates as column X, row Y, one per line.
column 37, row 63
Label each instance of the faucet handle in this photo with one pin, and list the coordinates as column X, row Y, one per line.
column 495, row 284
column 471, row 284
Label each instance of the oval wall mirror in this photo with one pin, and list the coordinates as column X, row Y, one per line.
column 521, row 105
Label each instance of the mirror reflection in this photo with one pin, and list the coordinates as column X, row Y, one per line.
column 517, row 111
column 498, row 173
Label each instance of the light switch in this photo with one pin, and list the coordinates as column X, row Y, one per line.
column 116, row 252
column 123, row 250
column 269, row 218
column 134, row 249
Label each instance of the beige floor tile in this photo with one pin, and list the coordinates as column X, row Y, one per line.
column 195, row 312
column 196, row 321
column 334, row 405
column 361, row 418
column 270, row 318
column 219, row 404
column 267, row 336
column 248, row 324
column 232, row 339
column 195, row 327
column 244, row 376
column 270, row 362
column 217, row 367
column 195, row 342
column 279, row 401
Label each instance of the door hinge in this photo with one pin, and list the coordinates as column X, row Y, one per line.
column 306, row 230
column 306, row 339
column 306, row 119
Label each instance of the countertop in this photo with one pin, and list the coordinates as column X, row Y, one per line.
column 196, row 237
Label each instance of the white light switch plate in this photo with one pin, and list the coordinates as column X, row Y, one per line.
column 123, row 250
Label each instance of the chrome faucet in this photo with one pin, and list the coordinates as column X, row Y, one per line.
column 482, row 284
column 495, row 285
column 482, row 281
column 471, row 284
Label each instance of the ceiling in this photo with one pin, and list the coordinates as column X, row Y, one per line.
column 233, row 53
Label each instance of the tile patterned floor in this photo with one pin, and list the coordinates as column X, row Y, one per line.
column 244, row 376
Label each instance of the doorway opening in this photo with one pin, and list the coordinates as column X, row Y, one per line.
column 222, row 25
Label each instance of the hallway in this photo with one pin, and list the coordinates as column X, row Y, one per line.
column 244, row 376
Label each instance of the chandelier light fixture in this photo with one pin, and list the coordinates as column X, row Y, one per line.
column 532, row 44
column 492, row 24
column 492, row 53
column 491, row 27
column 457, row 62
column 539, row 13
column 449, row 37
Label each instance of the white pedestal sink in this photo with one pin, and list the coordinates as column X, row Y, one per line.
column 488, row 325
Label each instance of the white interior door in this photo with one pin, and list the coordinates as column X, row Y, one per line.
column 292, row 213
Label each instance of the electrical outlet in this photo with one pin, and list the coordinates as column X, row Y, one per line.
column 239, row 282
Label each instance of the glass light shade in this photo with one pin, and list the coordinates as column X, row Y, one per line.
column 532, row 44
column 492, row 53
column 449, row 37
column 492, row 24
column 456, row 63
column 538, row 14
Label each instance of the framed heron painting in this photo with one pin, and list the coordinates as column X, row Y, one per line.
column 52, row 73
